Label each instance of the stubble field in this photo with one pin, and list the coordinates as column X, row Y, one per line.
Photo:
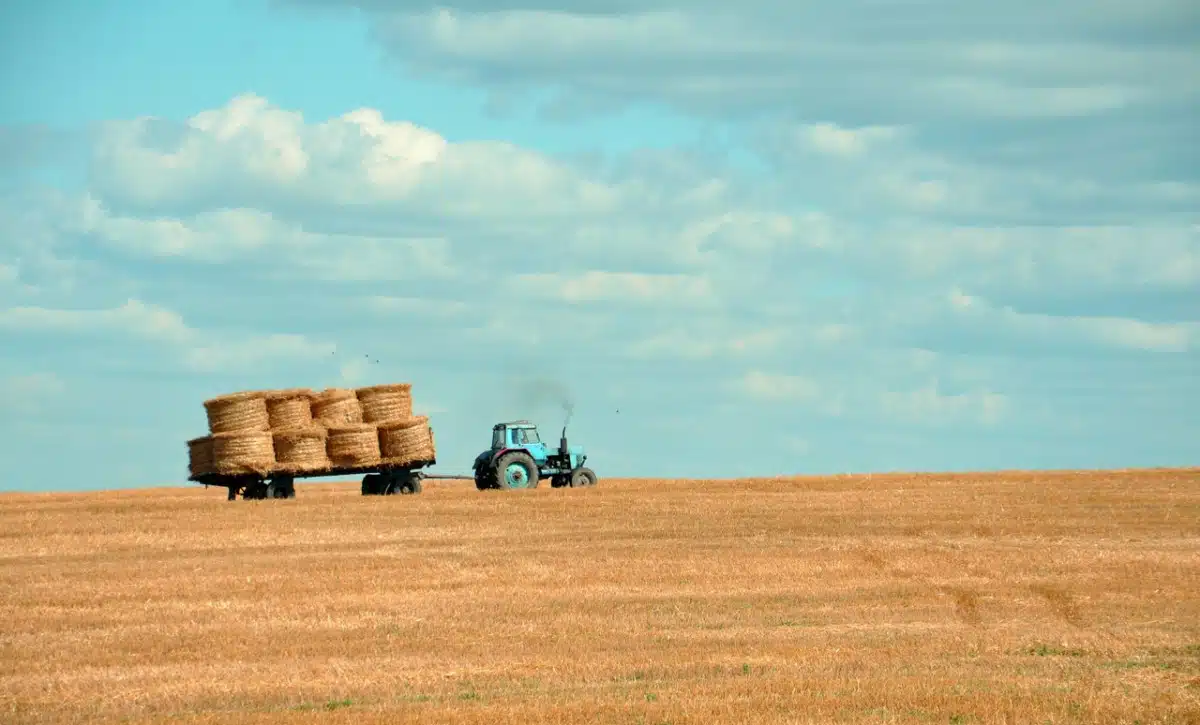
column 998, row 598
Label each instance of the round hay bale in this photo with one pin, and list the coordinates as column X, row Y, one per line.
column 406, row 441
column 336, row 407
column 353, row 446
column 301, row 450
column 238, row 413
column 200, row 456
column 243, row 452
column 288, row 409
column 385, row 403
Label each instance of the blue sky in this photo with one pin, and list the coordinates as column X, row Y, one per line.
column 747, row 240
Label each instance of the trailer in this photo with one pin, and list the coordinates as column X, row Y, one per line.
column 379, row 480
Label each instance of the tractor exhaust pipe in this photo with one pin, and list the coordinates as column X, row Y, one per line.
column 562, row 442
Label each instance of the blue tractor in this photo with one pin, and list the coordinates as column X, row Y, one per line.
column 519, row 459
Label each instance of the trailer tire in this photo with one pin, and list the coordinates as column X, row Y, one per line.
column 281, row 487
column 371, row 484
column 404, row 483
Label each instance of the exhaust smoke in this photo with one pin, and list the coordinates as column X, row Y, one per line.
column 541, row 393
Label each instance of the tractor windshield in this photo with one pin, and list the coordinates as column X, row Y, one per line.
column 531, row 435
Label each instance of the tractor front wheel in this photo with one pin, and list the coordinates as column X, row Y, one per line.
column 516, row 470
column 583, row 478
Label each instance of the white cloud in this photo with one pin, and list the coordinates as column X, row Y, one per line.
column 933, row 58
column 196, row 349
column 416, row 307
column 1114, row 332
column 29, row 392
column 134, row 318
column 842, row 396
column 670, row 290
column 929, row 405
column 251, row 151
column 689, row 342
column 251, row 351
column 832, row 139
column 280, row 247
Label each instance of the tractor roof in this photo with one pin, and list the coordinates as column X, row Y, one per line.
column 516, row 424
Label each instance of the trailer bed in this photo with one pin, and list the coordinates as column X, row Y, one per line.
column 392, row 478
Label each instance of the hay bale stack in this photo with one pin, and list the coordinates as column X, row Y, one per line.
column 336, row 407
column 301, row 450
column 238, row 413
column 406, row 441
column 289, row 409
column 200, row 456
column 243, row 453
column 353, row 445
column 385, row 403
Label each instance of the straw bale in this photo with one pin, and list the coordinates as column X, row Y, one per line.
column 406, row 441
column 336, row 407
column 385, row 403
column 288, row 409
column 353, row 445
column 301, row 450
column 200, row 456
column 238, row 412
column 243, row 452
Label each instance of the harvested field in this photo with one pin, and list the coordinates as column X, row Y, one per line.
column 998, row 598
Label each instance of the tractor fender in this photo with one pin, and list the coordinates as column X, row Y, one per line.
column 501, row 452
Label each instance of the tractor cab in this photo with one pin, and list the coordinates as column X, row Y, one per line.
column 518, row 458
column 516, row 434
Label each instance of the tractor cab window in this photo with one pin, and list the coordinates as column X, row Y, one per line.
column 498, row 439
column 530, row 435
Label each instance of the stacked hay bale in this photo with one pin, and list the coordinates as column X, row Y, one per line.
column 404, row 442
column 385, row 403
column 299, row 431
column 239, row 440
column 334, row 407
column 404, row 439
column 298, row 438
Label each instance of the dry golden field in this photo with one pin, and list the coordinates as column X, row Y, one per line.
column 998, row 598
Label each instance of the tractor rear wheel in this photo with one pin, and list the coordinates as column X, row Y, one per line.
column 516, row 470
column 583, row 478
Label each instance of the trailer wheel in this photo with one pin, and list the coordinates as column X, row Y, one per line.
column 281, row 487
column 255, row 491
column 371, row 484
column 409, row 485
